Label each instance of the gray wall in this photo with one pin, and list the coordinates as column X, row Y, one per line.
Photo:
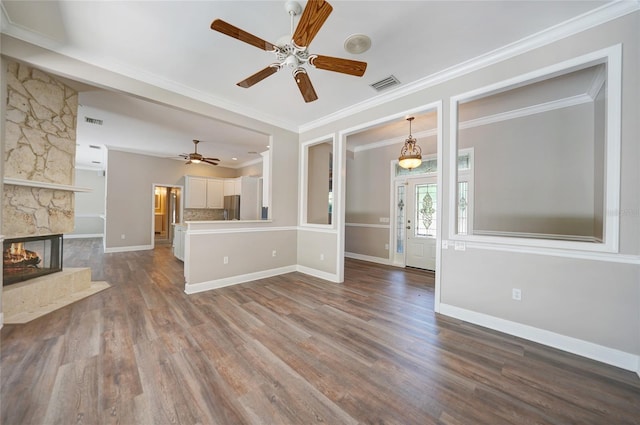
column 581, row 295
column 534, row 174
column 368, row 197
column 130, row 180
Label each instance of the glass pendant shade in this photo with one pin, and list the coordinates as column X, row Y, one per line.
column 411, row 153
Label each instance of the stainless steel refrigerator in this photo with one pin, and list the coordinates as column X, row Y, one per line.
column 232, row 207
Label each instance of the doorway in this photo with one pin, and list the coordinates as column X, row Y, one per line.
column 166, row 212
column 421, row 223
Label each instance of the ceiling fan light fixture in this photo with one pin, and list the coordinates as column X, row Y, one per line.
column 357, row 43
column 411, row 153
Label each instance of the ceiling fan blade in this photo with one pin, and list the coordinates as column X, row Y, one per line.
column 235, row 32
column 211, row 159
column 209, row 162
column 312, row 19
column 258, row 76
column 305, row 86
column 345, row 66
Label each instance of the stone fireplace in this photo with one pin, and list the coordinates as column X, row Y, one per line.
column 29, row 257
column 38, row 195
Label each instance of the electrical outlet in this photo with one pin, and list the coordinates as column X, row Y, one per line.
column 445, row 244
column 321, row 257
column 516, row 294
column 384, row 219
column 386, row 247
column 122, row 236
column 225, row 260
column 459, row 246
column 273, row 253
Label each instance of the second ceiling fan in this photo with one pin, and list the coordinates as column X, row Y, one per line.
column 293, row 53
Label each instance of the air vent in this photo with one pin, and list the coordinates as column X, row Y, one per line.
column 95, row 147
column 385, row 83
column 92, row 121
column 96, row 162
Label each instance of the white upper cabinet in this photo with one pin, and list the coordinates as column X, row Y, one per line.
column 195, row 192
column 215, row 193
column 203, row 192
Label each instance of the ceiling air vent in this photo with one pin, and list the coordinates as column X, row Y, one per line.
column 385, row 83
column 92, row 121
column 95, row 147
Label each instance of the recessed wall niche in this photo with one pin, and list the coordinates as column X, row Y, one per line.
column 544, row 165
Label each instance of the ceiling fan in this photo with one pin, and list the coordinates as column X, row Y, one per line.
column 292, row 52
column 196, row 158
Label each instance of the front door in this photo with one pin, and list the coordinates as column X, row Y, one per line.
column 421, row 223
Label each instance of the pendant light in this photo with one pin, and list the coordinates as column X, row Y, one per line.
column 410, row 154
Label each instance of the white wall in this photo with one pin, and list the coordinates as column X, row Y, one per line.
column 89, row 206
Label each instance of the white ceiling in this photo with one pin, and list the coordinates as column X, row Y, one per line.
column 170, row 44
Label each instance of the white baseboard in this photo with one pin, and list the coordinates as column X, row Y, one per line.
column 128, row 248
column 1, row 320
column 194, row 288
column 582, row 348
column 84, row 236
column 369, row 258
column 331, row 277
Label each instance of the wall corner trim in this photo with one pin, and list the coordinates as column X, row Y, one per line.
column 590, row 350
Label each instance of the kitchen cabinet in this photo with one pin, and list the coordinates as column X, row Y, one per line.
column 195, row 192
column 215, row 193
column 203, row 192
column 178, row 241
column 233, row 186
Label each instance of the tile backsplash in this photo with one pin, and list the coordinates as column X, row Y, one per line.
column 204, row 214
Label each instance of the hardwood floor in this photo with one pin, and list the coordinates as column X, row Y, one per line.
column 291, row 349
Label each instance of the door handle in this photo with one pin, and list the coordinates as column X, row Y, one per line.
column 408, row 227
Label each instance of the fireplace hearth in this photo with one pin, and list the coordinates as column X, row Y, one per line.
column 30, row 257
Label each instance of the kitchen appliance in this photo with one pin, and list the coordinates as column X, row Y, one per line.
column 232, row 207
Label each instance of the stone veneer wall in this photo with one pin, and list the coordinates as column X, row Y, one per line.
column 40, row 145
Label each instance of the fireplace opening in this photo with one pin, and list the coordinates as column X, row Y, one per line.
column 29, row 257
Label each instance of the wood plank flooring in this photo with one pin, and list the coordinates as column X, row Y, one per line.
column 291, row 349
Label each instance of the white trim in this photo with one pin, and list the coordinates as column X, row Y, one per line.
column 597, row 83
column 613, row 57
column 370, row 258
column 101, row 216
column 439, row 207
column 374, row 226
column 583, row 255
column 45, row 185
column 193, row 288
column 128, row 248
column 590, row 19
column 567, row 102
column 84, row 235
column 331, row 277
column 308, row 228
column 192, row 231
column 580, row 347
column 537, row 235
column 1, row 320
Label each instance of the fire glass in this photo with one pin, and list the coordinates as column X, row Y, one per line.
column 29, row 257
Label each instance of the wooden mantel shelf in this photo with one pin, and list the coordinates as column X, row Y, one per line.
column 45, row 185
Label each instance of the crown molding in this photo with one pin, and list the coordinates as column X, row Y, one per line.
column 526, row 111
column 593, row 18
